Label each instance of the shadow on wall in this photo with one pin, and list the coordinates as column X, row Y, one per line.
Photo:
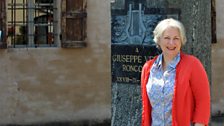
column 217, row 120
column 76, row 123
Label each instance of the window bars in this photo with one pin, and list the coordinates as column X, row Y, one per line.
column 31, row 23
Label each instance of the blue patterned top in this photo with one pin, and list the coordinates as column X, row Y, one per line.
column 160, row 90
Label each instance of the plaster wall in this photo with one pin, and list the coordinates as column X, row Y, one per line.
column 57, row 84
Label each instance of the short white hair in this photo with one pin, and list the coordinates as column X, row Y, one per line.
column 167, row 23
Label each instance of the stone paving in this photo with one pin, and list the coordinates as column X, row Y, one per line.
column 215, row 121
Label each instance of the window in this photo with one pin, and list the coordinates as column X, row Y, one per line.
column 32, row 23
column 43, row 23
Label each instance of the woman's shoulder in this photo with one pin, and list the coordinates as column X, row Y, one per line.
column 150, row 62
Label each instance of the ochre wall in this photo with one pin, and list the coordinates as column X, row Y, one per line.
column 56, row 84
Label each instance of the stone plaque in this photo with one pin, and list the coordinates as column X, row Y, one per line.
column 127, row 62
column 132, row 39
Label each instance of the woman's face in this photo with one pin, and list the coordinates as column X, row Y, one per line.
column 170, row 42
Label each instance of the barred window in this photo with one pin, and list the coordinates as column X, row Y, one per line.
column 43, row 23
column 32, row 23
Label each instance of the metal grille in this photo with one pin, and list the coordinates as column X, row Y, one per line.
column 32, row 23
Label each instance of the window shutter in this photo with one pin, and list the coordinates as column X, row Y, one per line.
column 3, row 30
column 73, row 23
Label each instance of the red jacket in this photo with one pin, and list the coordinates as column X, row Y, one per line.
column 191, row 100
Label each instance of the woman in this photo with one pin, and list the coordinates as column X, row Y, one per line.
column 175, row 87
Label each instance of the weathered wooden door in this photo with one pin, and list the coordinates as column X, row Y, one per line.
column 74, row 23
column 3, row 24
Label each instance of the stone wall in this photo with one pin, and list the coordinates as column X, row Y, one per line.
column 196, row 17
